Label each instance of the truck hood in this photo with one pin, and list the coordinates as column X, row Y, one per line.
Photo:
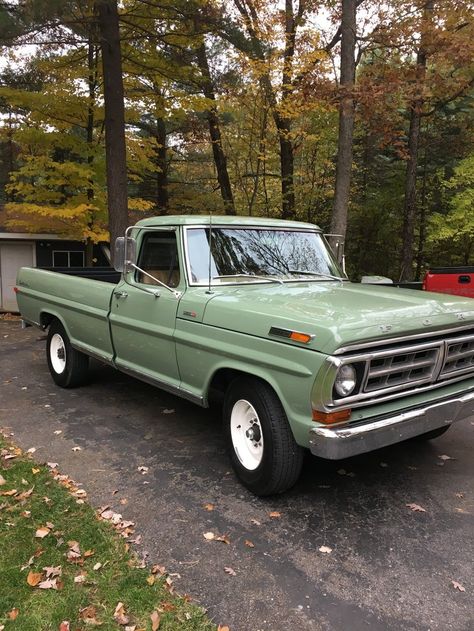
column 336, row 314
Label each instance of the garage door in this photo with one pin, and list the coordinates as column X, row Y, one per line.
column 12, row 257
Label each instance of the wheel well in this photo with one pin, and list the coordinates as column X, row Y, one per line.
column 46, row 319
column 222, row 379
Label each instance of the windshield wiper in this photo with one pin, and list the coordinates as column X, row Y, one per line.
column 270, row 279
column 319, row 274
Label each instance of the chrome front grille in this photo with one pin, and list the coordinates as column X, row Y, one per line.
column 459, row 357
column 400, row 369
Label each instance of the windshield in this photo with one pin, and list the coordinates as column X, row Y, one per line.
column 237, row 253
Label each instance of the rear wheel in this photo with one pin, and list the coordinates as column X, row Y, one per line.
column 263, row 451
column 69, row 368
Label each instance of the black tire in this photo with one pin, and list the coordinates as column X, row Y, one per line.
column 69, row 368
column 281, row 457
column 435, row 433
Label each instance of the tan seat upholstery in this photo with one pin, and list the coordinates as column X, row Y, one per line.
column 162, row 275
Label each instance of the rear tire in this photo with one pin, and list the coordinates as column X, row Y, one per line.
column 435, row 433
column 264, row 454
column 69, row 368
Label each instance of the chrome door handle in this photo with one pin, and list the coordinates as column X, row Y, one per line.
column 120, row 294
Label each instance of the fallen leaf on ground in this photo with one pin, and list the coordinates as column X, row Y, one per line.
column 119, row 614
column 274, row 514
column 52, row 572
column 151, row 579
column 76, row 449
column 42, row 532
column 458, row 586
column 64, row 626
column 223, row 538
column 34, row 578
column 223, row 628
column 9, row 493
column 155, row 621
column 249, row 544
column 209, row 536
column 2, row 480
column 80, row 578
column 158, row 569
column 88, row 614
column 143, row 469
column 459, row 495
column 30, row 562
column 49, row 583
column 445, row 457
column 25, row 494
column 35, row 471
column 416, row 508
column 131, row 627
column 208, row 506
column 13, row 614
column 31, row 450
column 97, row 566
column 52, row 465
column 171, row 411
column 325, row 549
column 58, row 431
column 255, row 522
column 88, row 553
column 230, row 571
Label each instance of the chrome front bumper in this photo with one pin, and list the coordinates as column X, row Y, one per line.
column 335, row 443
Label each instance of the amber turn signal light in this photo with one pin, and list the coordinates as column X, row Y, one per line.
column 300, row 337
column 331, row 417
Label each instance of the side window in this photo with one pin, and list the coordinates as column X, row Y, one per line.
column 159, row 258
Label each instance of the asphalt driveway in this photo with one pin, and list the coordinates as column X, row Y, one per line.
column 389, row 567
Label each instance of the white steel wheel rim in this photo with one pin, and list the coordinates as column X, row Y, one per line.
column 57, row 353
column 247, row 435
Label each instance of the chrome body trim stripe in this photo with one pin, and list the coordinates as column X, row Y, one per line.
column 163, row 385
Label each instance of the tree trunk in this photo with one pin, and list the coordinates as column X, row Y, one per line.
column 162, row 197
column 115, row 149
column 92, row 84
column 220, row 159
column 346, row 119
column 409, row 207
column 288, row 210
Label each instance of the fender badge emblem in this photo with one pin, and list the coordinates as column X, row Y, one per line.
column 428, row 321
column 460, row 316
column 385, row 328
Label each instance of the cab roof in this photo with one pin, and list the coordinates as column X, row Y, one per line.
column 224, row 220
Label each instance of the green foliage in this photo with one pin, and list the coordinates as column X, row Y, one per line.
column 452, row 232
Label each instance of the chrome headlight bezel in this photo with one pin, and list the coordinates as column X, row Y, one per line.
column 345, row 381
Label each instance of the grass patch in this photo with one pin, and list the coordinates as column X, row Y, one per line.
column 40, row 501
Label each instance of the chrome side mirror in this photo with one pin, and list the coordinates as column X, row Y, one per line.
column 125, row 254
column 336, row 243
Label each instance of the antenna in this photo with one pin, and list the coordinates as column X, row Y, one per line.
column 210, row 252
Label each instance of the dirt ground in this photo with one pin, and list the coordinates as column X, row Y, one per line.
column 389, row 567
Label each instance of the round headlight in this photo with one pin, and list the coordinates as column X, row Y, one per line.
column 346, row 380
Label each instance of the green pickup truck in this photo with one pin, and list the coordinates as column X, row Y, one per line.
column 257, row 313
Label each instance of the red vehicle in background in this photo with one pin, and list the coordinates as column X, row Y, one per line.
column 450, row 280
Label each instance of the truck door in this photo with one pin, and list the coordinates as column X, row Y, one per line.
column 142, row 324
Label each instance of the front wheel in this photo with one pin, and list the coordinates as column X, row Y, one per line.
column 69, row 368
column 263, row 451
